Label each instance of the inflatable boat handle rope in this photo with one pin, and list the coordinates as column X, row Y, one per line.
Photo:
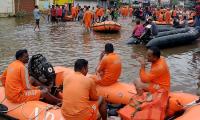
column 137, row 104
column 193, row 103
column 47, row 108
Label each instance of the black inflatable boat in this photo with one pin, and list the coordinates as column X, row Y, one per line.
column 133, row 40
column 175, row 39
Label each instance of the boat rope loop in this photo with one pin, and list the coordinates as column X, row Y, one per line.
column 137, row 103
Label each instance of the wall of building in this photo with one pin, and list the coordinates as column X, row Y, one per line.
column 7, row 8
column 24, row 5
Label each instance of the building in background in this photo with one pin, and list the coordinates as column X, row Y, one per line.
column 7, row 8
column 13, row 7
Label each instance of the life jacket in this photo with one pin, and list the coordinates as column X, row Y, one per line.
column 146, row 107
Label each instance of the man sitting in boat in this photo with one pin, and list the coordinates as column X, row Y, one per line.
column 80, row 100
column 158, row 76
column 17, row 85
column 109, row 68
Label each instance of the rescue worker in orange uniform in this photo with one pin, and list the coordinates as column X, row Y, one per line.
column 126, row 11
column 87, row 19
column 17, row 85
column 157, row 14
column 130, row 11
column 74, row 12
column 158, row 77
column 80, row 100
column 167, row 16
column 109, row 68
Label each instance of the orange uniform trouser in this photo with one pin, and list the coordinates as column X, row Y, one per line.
column 87, row 24
column 89, row 114
column 27, row 95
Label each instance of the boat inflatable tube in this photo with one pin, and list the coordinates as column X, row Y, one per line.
column 175, row 31
column 179, row 98
column 162, row 28
column 32, row 110
column 175, row 39
column 106, row 26
column 132, row 40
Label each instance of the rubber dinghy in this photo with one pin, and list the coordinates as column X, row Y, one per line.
column 119, row 93
column 133, row 40
column 175, row 39
column 107, row 26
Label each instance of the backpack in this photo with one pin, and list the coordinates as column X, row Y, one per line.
column 146, row 107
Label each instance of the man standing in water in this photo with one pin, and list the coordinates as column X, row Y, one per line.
column 158, row 76
column 37, row 16
column 87, row 18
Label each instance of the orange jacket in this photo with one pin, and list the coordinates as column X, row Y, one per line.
column 87, row 18
column 159, row 74
column 110, row 69
column 130, row 12
column 167, row 16
column 74, row 12
column 17, row 86
column 157, row 14
column 79, row 94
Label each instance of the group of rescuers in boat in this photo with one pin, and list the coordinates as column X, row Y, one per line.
column 79, row 91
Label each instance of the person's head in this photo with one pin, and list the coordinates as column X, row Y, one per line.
column 87, row 8
column 153, row 54
column 36, row 6
column 109, row 48
column 150, row 20
column 81, row 65
column 137, row 22
column 22, row 55
column 53, row 6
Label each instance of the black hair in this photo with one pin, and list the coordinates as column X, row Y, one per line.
column 80, row 64
column 155, row 50
column 138, row 22
column 20, row 53
column 109, row 48
column 36, row 6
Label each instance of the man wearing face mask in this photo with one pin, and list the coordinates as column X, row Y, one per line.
column 17, row 84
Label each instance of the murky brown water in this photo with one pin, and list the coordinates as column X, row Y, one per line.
column 65, row 43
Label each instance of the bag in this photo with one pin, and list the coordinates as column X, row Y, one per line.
column 146, row 107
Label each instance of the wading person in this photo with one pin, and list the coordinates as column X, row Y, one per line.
column 87, row 19
column 37, row 16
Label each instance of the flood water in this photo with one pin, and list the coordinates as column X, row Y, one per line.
column 64, row 43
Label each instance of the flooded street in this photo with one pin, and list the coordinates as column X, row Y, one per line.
column 64, row 43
